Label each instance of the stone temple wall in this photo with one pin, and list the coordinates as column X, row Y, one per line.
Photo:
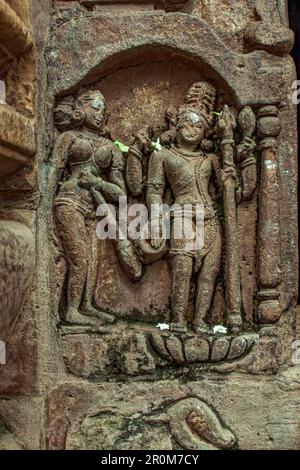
column 143, row 344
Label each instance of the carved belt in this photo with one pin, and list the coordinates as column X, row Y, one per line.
column 71, row 201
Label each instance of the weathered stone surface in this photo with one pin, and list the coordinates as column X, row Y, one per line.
column 16, row 268
column 196, row 350
column 15, row 36
column 19, row 310
column 152, row 416
column 158, row 31
column 17, row 226
column 144, row 344
column 8, row 441
column 17, row 61
column 17, row 141
column 220, row 349
column 270, row 32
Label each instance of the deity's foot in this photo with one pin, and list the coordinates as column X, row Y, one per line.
column 235, row 322
column 178, row 327
column 73, row 316
column 90, row 311
column 202, row 328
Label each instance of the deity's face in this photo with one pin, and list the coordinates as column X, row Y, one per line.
column 93, row 105
column 190, row 129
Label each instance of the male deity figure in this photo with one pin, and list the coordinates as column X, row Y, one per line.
column 189, row 170
column 90, row 167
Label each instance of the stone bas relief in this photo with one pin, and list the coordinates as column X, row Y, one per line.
column 207, row 154
column 81, row 157
column 170, row 415
column 188, row 424
column 142, row 344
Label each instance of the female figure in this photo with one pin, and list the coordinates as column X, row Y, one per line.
column 79, row 156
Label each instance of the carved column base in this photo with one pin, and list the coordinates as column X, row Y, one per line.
column 269, row 310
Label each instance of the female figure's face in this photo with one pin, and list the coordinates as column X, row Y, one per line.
column 191, row 129
column 94, row 108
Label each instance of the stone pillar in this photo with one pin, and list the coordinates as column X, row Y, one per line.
column 16, row 38
column 17, row 128
column 18, row 194
column 269, row 274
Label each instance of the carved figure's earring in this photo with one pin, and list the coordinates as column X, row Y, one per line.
column 78, row 117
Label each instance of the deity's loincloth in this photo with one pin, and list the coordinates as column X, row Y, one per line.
column 194, row 232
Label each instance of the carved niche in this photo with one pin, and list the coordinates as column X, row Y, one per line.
column 143, row 307
column 167, row 108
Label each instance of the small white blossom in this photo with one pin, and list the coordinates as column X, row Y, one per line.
column 156, row 145
column 219, row 329
column 163, row 326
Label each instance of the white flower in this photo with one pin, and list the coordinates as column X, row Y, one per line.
column 163, row 326
column 219, row 329
column 156, row 145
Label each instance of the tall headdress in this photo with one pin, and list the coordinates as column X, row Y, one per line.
column 201, row 98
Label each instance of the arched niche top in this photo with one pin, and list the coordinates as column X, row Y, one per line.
column 87, row 48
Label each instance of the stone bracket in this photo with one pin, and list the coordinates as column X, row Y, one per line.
column 17, row 140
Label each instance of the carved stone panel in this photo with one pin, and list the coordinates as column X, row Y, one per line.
column 183, row 306
column 163, row 299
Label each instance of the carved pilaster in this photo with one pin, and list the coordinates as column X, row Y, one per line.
column 17, row 131
column 269, row 274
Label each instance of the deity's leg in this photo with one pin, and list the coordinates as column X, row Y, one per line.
column 72, row 232
column 206, row 285
column 182, row 267
column 92, row 245
column 92, row 253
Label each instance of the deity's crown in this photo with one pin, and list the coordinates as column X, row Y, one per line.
column 202, row 98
